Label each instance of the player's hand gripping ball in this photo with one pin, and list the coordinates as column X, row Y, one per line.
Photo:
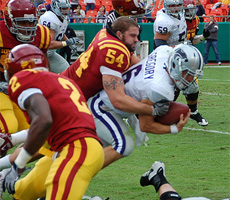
column 173, row 114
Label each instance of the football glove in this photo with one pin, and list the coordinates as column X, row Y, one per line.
column 72, row 41
column 5, row 143
column 10, row 179
column 4, row 87
column 73, row 49
column 161, row 107
column 206, row 33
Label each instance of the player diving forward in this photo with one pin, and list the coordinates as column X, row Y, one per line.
column 152, row 80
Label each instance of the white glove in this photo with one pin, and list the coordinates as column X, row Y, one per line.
column 73, row 49
column 72, row 41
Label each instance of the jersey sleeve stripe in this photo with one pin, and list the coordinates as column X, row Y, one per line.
column 1, row 42
column 116, row 42
column 42, row 36
column 48, row 37
column 45, row 38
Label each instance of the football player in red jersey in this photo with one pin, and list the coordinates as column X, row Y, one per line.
column 57, row 112
column 192, row 21
column 101, row 67
column 19, row 26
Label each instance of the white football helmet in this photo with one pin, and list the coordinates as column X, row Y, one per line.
column 190, row 9
column 185, row 64
column 173, row 7
column 61, row 8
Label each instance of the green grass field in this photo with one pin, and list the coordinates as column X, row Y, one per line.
column 197, row 159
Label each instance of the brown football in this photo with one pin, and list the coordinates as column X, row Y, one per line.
column 173, row 114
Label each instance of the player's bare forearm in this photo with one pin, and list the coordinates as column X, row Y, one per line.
column 115, row 89
column 41, row 121
column 148, row 125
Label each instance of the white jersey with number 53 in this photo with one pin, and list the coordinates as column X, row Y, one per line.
column 165, row 24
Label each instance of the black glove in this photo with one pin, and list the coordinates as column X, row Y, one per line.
column 10, row 179
column 72, row 41
column 161, row 107
column 206, row 33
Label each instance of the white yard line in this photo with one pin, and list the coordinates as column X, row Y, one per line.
column 215, row 94
column 217, row 66
column 211, row 131
column 213, row 80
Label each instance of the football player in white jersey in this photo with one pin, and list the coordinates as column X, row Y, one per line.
column 170, row 25
column 56, row 19
column 170, row 28
column 152, row 80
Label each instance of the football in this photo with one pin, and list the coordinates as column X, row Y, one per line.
column 173, row 114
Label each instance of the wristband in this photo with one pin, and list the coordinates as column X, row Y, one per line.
column 64, row 44
column 174, row 129
column 22, row 159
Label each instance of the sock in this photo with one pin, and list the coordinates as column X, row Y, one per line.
column 192, row 101
column 159, row 179
column 19, row 137
column 170, row 195
column 5, row 162
column 193, row 108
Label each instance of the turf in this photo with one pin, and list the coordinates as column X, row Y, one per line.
column 197, row 159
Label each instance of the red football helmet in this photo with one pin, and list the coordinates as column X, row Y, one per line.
column 41, row 9
column 24, row 56
column 133, row 7
column 190, row 9
column 21, row 19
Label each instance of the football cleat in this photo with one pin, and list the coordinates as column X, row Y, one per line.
column 198, row 118
column 153, row 176
column 5, row 143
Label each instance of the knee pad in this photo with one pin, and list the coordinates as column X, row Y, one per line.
column 192, row 97
column 171, row 195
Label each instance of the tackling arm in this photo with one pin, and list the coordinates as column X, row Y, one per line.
column 115, row 89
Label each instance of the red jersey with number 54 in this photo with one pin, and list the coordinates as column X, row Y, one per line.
column 71, row 117
column 105, row 50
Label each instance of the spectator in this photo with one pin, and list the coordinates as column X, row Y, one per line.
column 101, row 16
column 81, row 11
column 105, row 12
column 1, row 15
column 66, row 50
column 90, row 4
column 212, row 26
column 77, row 17
column 200, row 12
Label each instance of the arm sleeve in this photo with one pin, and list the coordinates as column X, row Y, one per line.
column 25, row 95
column 107, row 71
